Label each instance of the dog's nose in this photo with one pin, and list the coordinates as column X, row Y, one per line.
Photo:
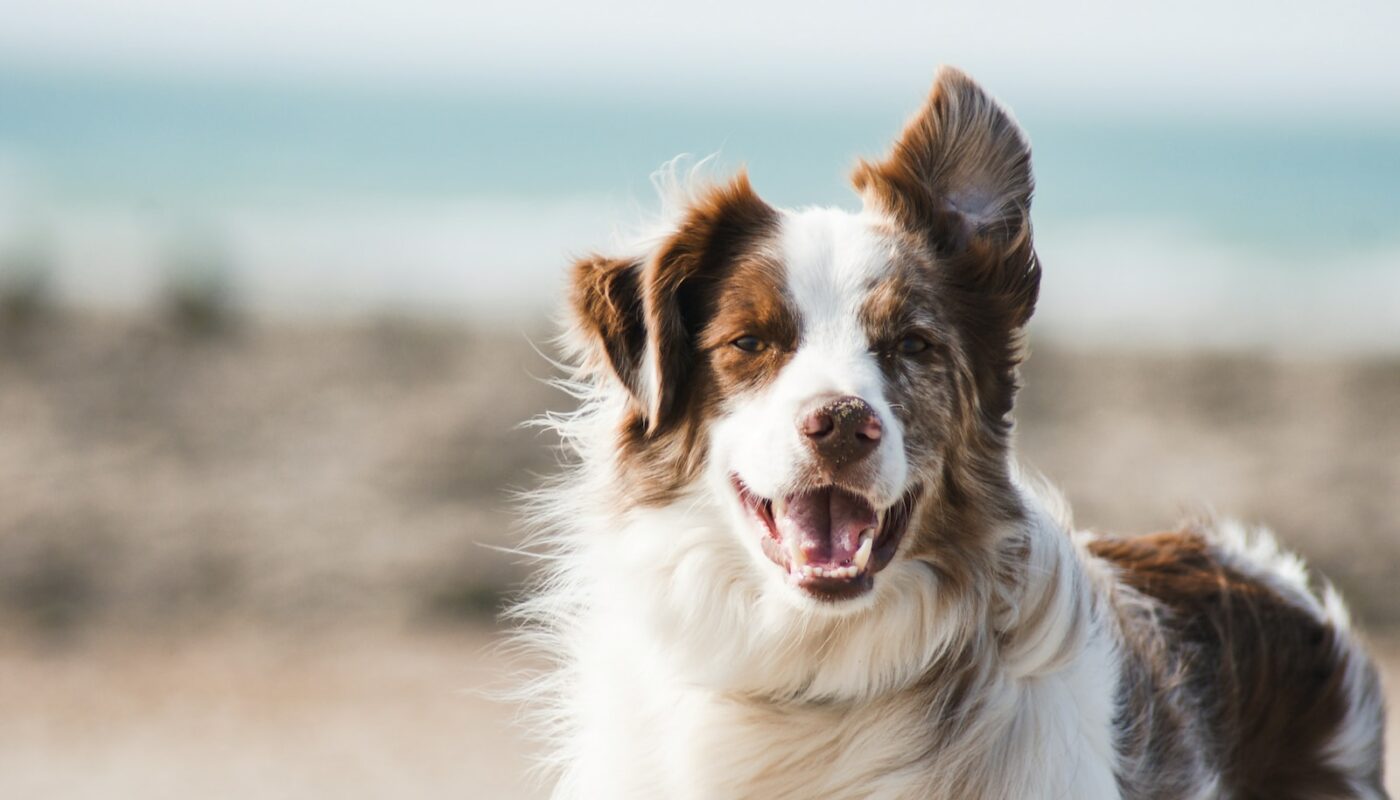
column 841, row 430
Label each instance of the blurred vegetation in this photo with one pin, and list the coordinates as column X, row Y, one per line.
column 26, row 288
column 359, row 474
column 198, row 298
column 290, row 475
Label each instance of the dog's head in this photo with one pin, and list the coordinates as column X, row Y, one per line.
column 840, row 382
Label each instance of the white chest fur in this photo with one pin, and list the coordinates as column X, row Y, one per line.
column 642, row 733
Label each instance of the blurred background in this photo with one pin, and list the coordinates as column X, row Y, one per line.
column 276, row 286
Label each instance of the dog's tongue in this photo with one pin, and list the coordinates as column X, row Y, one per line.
column 826, row 524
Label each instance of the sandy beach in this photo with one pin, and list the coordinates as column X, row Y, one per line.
column 239, row 715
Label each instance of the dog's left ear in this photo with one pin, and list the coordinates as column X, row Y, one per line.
column 960, row 177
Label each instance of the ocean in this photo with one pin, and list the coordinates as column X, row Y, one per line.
column 1171, row 228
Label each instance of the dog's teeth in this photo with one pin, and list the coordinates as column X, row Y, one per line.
column 867, row 543
column 833, row 573
column 779, row 508
column 795, row 551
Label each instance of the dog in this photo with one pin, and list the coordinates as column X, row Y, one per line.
column 792, row 555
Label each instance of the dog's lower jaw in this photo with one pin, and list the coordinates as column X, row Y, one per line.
column 828, row 565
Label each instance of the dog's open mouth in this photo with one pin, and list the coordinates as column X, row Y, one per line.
column 831, row 541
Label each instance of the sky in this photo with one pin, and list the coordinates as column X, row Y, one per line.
column 1305, row 57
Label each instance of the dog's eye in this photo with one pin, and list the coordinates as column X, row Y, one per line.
column 912, row 345
column 750, row 344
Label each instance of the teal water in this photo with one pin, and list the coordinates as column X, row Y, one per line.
column 86, row 139
column 1293, row 194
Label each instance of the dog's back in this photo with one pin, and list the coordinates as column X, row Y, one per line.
column 1264, row 676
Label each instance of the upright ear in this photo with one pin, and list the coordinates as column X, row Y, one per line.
column 642, row 317
column 960, row 176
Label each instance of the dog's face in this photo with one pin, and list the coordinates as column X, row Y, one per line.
column 833, row 361
column 835, row 381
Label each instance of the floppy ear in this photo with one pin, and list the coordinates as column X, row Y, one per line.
column 960, row 176
column 643, row 316
column 606, row 300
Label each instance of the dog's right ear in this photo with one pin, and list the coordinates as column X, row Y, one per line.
column 606, row 301
column 641, row 317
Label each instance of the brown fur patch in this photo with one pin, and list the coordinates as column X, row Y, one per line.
column 681, row 285
column 959, row 178
column 957, row 185
column 752, row 302
column 1264, row 674
column 953, row 443
column 710, row 283
column 606, row 300
column 960, row 171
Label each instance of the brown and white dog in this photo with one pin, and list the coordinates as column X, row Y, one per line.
column 794, row 558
